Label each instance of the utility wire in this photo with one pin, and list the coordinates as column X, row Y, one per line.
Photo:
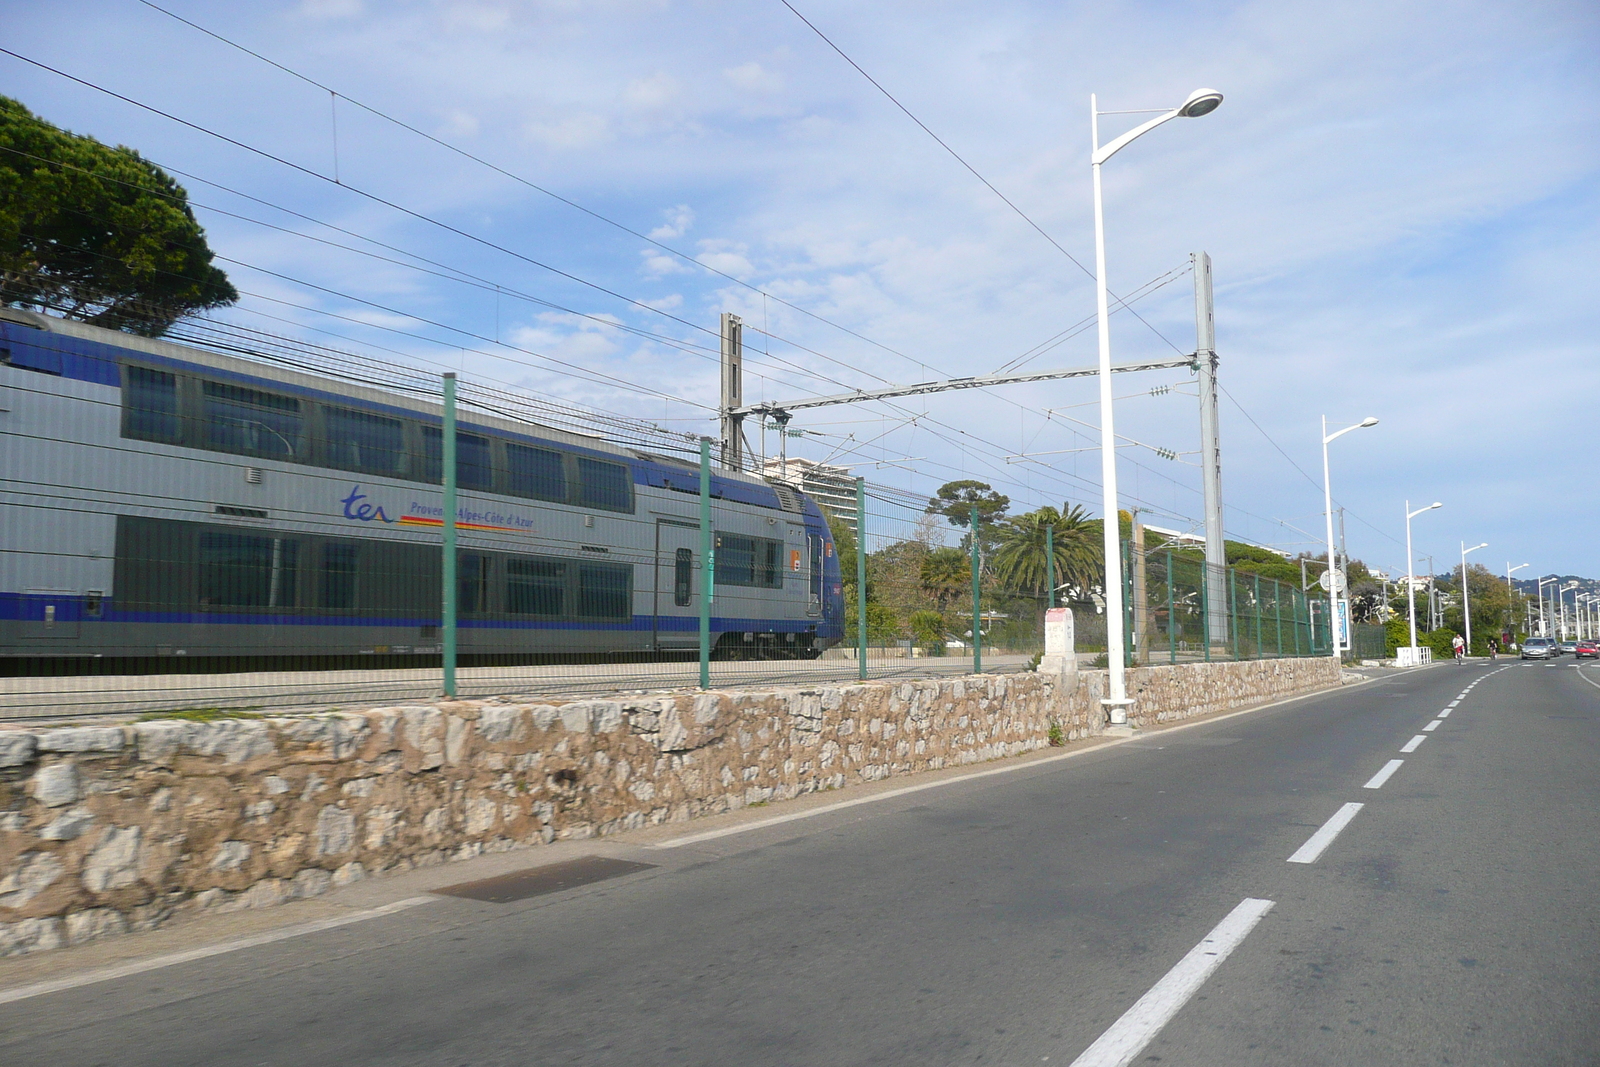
column 970, row 168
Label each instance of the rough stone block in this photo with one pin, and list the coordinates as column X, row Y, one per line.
column 81, row 739
column 17, row 747
column 56, row 785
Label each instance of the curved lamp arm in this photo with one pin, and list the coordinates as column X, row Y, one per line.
column 1111, row 148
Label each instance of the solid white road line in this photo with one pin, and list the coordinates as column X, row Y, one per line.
column 1139, row 1025
column 1317, row 842
column 1445, row 714
column 123, row 970
column 1415, row 743
column 1430, row 728
column 1377, row 780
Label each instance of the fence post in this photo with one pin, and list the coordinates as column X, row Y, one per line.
column 1277, row 611
column 1258, row 615
column 977, row 618
column 1233, row 610
column 1205, row 607
column 447, row 572
column 1294, row 604
column 707, row 563
column 1172, row 633
column 861, row 578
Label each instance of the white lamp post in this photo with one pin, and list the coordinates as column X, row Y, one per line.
column 1411, row 581
column 1335, row 587
column 1561, row 608
column 1466, row 609
column 1511, row 589
column 1544, row 627
column 1200, row 102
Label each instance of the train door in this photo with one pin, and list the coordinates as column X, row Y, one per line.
column 677, row 584
column 814, row 549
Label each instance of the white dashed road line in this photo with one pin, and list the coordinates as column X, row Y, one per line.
column 1319, row 841
column 1445, row 714
column 1432, row 726
column 1415, row 743
column 1377, row 780
column 1139, row 1025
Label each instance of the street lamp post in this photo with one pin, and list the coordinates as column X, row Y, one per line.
column 1544, row 627
column 1411, row 579
column 1335, row 588
column 1200, row 102
column 1561, row 608
column 1511, row 589
column 1466, row 609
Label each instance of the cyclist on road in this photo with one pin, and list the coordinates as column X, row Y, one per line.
column 1494, row 648
column 1460, row 645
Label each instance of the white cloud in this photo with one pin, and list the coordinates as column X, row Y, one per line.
column 653, row 93
column 330, row 9
column 752, row 77
column 572, row 132
column 458, row 123
column 728, row 263
column 679, row 219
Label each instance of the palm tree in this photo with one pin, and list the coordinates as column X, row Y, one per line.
column 945, row 573
column 1020, row 561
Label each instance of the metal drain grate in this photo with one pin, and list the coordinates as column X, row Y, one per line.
column 538, row 881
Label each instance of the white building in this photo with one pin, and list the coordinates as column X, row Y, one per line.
column 832, row 487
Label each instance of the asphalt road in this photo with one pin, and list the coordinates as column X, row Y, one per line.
column 1011, row 919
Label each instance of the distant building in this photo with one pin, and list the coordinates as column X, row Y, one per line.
column 832, row 487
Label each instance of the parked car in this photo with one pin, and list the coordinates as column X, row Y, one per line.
column 1539, row 648
column 1587, row 648
column 1567, row 648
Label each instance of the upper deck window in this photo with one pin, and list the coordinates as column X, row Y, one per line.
column 604, row 485
column 540, row 473
column 150, row 405
column 363, row 442
column 474, row 468
column 251, row 421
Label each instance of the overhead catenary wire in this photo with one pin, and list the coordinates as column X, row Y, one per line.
column 427, row 219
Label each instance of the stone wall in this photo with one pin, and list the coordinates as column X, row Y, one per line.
column 105, row 829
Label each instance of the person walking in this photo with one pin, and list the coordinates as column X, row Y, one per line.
column 1460, row 645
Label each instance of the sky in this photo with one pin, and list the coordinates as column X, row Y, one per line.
column 1399, row 200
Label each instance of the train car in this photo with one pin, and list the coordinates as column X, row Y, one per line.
column 164, row 500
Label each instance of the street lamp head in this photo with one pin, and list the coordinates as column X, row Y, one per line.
column 1435, row 504
column 1370, row 420
column 1200, row 102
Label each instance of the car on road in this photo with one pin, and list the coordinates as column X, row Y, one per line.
column 1567, row 648
column 1539, row 648
column 1587, row 648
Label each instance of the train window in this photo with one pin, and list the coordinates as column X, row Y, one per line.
column 539, row 473
column 472, row 583
column 535, row 587
column 150, row 404
column 362, row 442
column 339, row 577
column 246, row 571
column 251, row 421
column 604, row 485
column 749, row 561
column 474, row 470
column 682, row 576
column 603, row 591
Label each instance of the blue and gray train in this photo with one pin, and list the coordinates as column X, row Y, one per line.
column 166, row 500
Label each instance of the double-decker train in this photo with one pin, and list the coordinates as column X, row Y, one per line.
column 165, row 500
